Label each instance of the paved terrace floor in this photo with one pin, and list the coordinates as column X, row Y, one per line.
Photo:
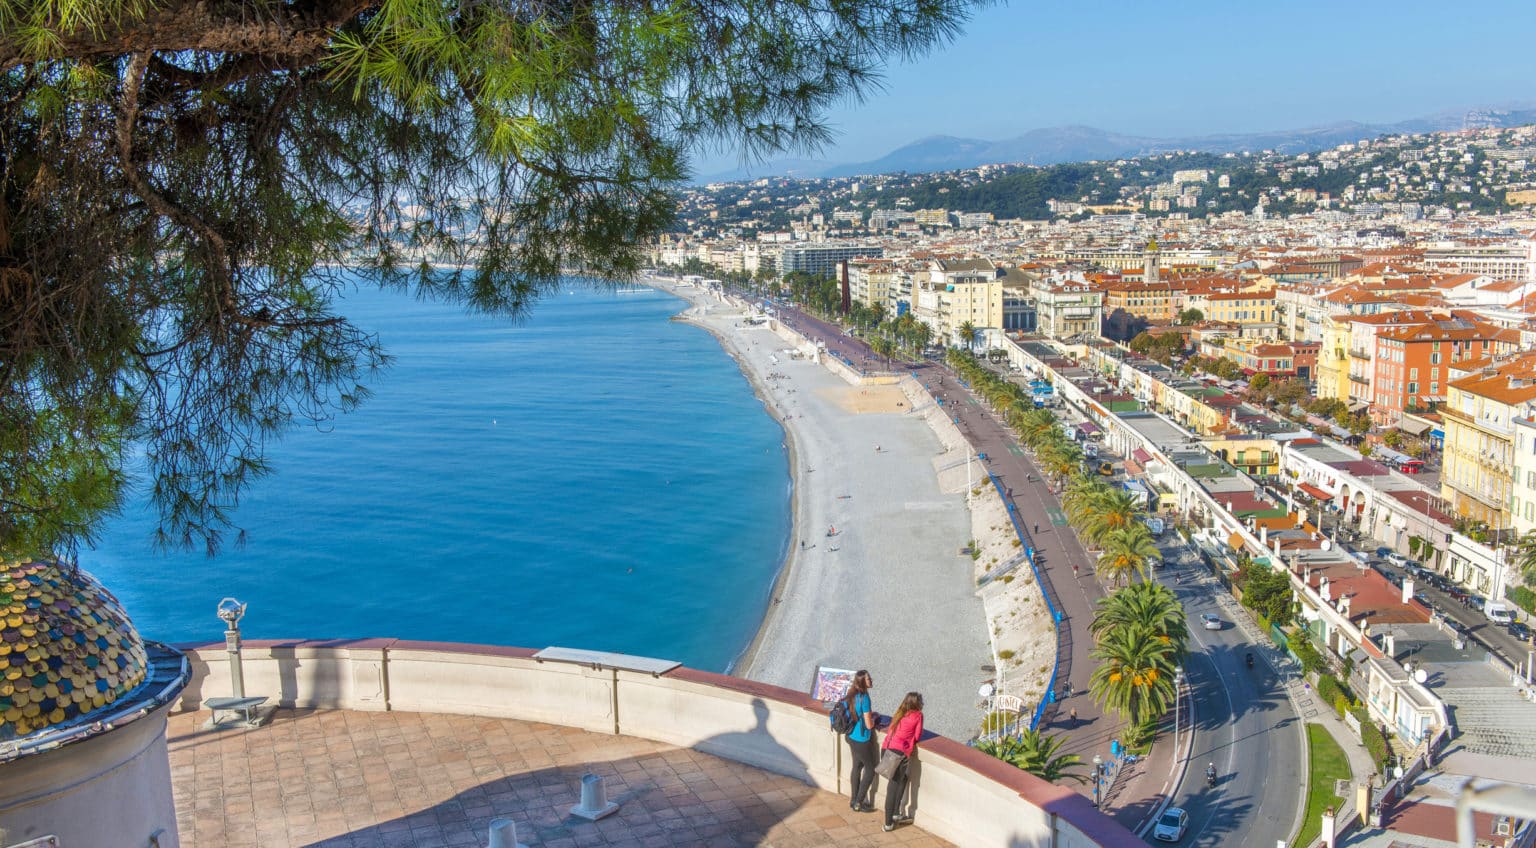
column 343, row 779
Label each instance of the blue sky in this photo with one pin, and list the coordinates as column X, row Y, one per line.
column 1195, row 67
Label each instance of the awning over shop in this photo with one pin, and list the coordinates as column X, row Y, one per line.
column 1141, row 456
column 1415, row 428
column 1088, row 427
column 1315, row 492
column 1132, row 467
column 1359, row 405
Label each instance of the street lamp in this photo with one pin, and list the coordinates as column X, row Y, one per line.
column 231, row 611
column 1098, row 771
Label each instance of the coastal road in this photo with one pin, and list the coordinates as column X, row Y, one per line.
column 1243, row 721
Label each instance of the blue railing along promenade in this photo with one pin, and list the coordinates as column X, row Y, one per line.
column 1045, row 592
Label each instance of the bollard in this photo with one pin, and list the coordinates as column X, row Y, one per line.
column 504, row 834
column 594, row 799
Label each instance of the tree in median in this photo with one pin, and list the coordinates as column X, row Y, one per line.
column 1135, row 675
column 179, row 178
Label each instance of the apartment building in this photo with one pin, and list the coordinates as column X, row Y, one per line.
column 958, row 292
column 1068, row 309
column 1151, row 302
column 1501, row 260
column 822, row 259
column 1522, row 497
column 1412, row 364
column 1480, row 415
column 874, row 282
column 1240, row 307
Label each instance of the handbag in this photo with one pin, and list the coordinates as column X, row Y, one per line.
column 890, row 761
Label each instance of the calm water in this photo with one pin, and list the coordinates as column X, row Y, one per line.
column 597, row 477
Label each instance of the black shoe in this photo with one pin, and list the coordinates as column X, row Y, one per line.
column 901, row 820
column 863, row 808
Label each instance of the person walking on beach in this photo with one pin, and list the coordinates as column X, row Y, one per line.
column 906, row 729
column 861, row 744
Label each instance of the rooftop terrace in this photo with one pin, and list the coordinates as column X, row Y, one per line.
column 349, row 779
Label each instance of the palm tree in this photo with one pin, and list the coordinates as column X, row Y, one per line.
column 884, row 347
column 1525, row 556
column 1104, row 512
column 1127, row 550
column 1035, row 753
column 1059, row 458
column 1135, row 677
column 1144, row 604
column 968, row 334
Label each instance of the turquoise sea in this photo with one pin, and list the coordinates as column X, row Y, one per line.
column 596, row 477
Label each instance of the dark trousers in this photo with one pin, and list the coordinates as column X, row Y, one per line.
column 895, row 791
column 861, row 781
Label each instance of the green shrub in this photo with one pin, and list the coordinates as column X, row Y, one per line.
column 1005, row 655
column 1329, row 689
column 1522, row 597
column 1305, row 651
column 1341, row 705
column 1374, row 740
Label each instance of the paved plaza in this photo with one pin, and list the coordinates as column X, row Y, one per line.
column 344, row 779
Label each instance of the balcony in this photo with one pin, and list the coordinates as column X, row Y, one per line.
column 1359, row 354
column 1356, row 378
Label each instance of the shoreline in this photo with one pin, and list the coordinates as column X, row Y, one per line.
column 741, row 664
column 893, row 591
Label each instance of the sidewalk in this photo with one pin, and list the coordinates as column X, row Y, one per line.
column 1139, row 790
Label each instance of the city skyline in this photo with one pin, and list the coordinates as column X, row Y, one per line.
column 1111, row 66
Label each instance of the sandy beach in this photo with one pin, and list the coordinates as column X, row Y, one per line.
column 891, row 590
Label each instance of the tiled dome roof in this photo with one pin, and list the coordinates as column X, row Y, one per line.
column 67, row 648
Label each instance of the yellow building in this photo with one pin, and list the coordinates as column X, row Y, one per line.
column 1238, row 307
column 1254, row 456
column 1333, row 358
column 1151, row 302
column 1480, row 415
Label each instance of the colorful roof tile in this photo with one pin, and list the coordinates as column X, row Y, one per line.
column 67, row 647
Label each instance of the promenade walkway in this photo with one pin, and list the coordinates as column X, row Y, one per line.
column 345, row 779
column 1139, row 789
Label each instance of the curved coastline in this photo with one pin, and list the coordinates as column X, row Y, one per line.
column 742, row 663
column 891, row 591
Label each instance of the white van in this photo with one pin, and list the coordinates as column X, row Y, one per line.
column 1499, row 614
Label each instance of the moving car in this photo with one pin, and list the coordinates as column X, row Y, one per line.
column 1210, row 621
column 1397, row 559
column 1106, row 469
column 1171, row 825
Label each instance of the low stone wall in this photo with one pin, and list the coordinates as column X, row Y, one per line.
column 965, row 797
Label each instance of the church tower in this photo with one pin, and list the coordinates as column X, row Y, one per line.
column 1149, row 270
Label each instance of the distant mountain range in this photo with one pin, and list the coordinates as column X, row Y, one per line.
column 1055, row 145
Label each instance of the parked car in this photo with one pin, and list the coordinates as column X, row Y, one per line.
column 1520, row 631
column 1383, row 552
column 1170, row 825
column 1456, row 592
column 1476, row 602
column 1397, row 559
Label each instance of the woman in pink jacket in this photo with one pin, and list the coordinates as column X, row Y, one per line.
column 906, row 729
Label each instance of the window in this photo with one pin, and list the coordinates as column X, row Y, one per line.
column 1413, row 373
column 1434, row 358
column 1434, row 388
column 1434, row 373
column 1413, row 388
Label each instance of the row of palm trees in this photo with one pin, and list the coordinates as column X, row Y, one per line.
column 1140, row 633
